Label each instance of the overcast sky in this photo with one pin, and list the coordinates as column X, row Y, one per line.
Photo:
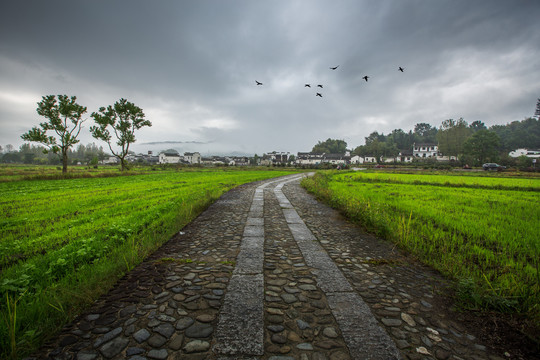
column 192, row 66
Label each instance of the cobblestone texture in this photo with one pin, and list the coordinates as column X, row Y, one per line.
column 234, row 284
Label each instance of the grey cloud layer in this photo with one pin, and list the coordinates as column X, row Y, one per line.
column 193, row 65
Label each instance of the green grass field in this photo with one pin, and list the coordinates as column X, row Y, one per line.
column 65, row 242
column 483, row 231
column 16, row 172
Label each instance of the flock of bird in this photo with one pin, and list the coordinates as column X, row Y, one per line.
column 331, row 68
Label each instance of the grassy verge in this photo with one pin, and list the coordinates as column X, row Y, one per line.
column 66, row 242
column 482, row 232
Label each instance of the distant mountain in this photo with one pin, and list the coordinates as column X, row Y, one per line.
column 174, row 142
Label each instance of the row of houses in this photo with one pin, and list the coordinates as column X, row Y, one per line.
column 165, row 157
column 419, row 151
column 173, row 157
column 226, row 160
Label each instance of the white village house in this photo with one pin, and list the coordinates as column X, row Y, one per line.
column 239, row 161
column 170, row 156
column 533, row 154
column 357, row 159
column 337, row 159
column 306, row 158
column 370, row 159
column 425, row 150
column 214, row 160
column 192, row 157
column 275, row 157
column 111, row 160
column 406, row 156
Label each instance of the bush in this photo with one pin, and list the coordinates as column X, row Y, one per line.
column 524, row 162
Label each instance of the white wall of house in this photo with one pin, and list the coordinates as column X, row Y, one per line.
column 110, row 160
column 239, row 161
column 445, row 158
column 192, row 158
column 534, row 154
column 425, row 150
column 335, row 161
column 357, row 159
column 309, row 161
column 405, row 158
column 169, row 159
column 370, row 159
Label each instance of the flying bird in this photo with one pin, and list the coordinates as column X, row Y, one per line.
column 258, row 83
column 401, row 69
column 365, row 78
column 320, row 86
column 318, row 94
column 334, row 68
column 307, row 85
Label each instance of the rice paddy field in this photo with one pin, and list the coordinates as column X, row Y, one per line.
column 64, row 242
column 16, row 172
column 482, row 231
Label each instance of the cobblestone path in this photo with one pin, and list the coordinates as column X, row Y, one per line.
column 267, row 272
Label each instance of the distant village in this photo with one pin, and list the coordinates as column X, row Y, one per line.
column 307, row 159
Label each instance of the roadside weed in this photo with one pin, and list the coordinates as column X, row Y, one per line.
column 482, row 231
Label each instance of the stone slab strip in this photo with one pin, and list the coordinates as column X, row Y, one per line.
column 240, row 330
column 364, row 336
column 361, row 332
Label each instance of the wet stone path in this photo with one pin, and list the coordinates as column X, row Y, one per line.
column 267, row 272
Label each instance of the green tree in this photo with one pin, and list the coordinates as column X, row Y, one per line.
column 291, row 159
column 31, row 154
column 330, row 146
column 482, row 146
column 377, row 147
column 401, row 139
column 381, row 149
column 123, row 118
column 452, row 135
column 524, row 162
column 424, row 133
column 11, row 157
column 255, row 160
column 375, row 137
column 519, row 134
column 478, row 125
column 360, row 150
column 64, row 119
column 94, row 162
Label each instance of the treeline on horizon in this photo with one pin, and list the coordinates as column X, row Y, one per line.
column 27, row 153
column 472, row 143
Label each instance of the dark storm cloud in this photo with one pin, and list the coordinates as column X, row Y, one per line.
column 192, row 66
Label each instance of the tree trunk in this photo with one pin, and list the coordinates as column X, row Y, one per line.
column 64, row 161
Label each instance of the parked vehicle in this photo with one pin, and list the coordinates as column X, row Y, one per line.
column 493, row 166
